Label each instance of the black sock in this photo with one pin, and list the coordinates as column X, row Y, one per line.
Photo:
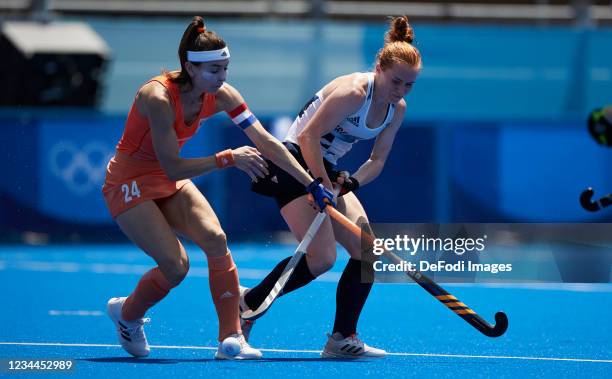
column 351, row 296
column 300, row 277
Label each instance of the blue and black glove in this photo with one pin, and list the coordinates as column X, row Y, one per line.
column 322, row 196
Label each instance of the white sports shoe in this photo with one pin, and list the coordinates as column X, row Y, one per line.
column 350, row 347
column 245, row 325
column 130, row 333
column 246, row 351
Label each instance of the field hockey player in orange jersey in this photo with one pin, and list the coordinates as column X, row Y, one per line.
column 149, row 194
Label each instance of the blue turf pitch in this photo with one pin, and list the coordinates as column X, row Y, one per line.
column 54, row 300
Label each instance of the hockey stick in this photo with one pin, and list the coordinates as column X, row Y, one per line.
column 586, row 200
column 282, row 280
column 451, row 302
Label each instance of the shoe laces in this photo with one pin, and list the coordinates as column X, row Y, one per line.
column 354, row 339
column 243, row 343
column 351, row 337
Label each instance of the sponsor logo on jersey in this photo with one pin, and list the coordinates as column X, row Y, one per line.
column 353, row 120
column 340, row 130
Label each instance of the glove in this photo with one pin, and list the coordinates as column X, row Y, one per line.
column 322, row 196
column 350, row 184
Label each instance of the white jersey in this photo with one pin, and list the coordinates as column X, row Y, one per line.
column 350, row 130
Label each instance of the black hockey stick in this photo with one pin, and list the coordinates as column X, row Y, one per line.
column 462, row 310
column 586, row 200
column 451, row 302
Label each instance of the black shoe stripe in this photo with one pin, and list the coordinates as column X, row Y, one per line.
column 357, row 351
column 121, row 324
column 344, row 347
column 126, row 336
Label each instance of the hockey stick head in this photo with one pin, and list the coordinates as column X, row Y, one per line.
column 501, row 325
column 586, row 200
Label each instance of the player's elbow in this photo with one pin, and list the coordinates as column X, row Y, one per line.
column 378, row 161
column 305, row 136
column 377, row 165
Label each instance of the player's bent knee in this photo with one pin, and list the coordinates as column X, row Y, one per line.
column 322, row 264
column 175, row 271
column 215, row 241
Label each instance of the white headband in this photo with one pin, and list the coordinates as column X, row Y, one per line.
column 208, row 55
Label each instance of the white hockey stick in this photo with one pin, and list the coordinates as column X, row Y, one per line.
column 280, row 283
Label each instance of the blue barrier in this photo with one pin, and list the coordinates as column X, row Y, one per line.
column 447, row 172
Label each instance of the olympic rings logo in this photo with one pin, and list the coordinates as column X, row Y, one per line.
column 80, row 169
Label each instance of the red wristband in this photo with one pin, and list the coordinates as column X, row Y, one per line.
column 224, row 158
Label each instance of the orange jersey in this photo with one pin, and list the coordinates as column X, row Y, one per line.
column 136, row 140
column 134, row 174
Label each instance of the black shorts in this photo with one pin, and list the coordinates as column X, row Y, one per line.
column 280, row 185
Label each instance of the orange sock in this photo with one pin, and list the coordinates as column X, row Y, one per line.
column 223, row 280
column 152, row 287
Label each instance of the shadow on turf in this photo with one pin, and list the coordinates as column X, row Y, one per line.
column 175, row 361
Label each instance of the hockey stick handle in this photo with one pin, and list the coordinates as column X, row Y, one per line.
column 451, row 302
column 311, row 232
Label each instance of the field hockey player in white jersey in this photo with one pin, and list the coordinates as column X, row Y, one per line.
column 350, row 108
